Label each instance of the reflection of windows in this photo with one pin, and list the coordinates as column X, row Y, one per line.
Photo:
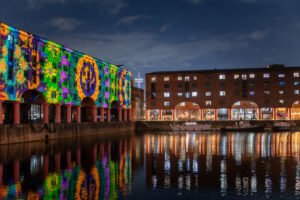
column 266, row 92
column 182, row 104
column 166, row 94
column 252, row 93
column 296, row 92
column 281, row 92
column 167, row 103
column 281, row 83
column 194, row 94
column 207, row 94
column 281, row 101
column 222, row 77
column 296, row 83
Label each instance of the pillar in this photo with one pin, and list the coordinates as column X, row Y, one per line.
column 125, row 115
column 216, row 114
column 78, row 114
column 259, row 114
column 274, row 113
column 69, row 113
column 57, row 113
column 108, row 115
column 200, row 114
column 94, row 113
column 16, row 112
column 102, row 114
column 120, row 114
column 16, row 170
column 289, row 113
column 46, row 113
column 229, row 113
column 129, row 114
column 1, row 113
column 160, row 115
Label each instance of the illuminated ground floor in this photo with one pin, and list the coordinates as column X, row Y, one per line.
column 241, row 110
column 34, row 109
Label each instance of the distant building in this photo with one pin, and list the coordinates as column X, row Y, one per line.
column 42, row 81
column 270, row 93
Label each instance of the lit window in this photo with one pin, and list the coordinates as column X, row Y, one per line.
column 208, row 103
column 296, row 74
column 281, row 101
column 153, row 79
column 179, row 78
column 236, row 76
column 167, row 103
column 281, row 92
column 182, row 104
column 194, row 78
column 266, row 75
column 222, row 93
column 166, row 78
column 187, row 78
column 9, row 37
column 281, row 83
column 296, row 83
column 252, row 93
column 251, row 75
column 281, row 75
column 195, row 104
column 244, row 76
column 187, row 95
column 194, row 94
column 266, row 92
column 166, row 94
column 179, row 94
column 207, row 94
column 296, row 92
column 222, row 76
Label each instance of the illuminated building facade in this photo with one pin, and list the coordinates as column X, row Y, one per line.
column 43, row 81
column 270, row 93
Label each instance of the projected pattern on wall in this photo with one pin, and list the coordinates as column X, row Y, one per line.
column 64, row 76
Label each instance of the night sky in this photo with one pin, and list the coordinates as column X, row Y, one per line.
column 156, row 35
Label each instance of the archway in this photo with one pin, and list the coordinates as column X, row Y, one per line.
column 295, row 111
column 186, row 111
column 244, row 110
column 31, row 107
column 87, row 106
column 114, row 111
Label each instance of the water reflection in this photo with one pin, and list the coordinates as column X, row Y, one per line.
column 236, row 164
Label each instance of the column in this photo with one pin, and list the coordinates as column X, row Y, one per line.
column 1, row 113
column 16, row 112
column 200, row 114
column 216, row 114
column 46, row 113
column 125, row 115
column 173, row 114
column 129, row 114
column 274, row 113
column 108, row 115
column 78, row 114
column 289, row 113
column 229, row 113
column 69, row 113
column 94, row 113
column 160, row 115
column 259, row 114
column 120, row 114
column 147, row 115
column 57, row 113
column 102, row 114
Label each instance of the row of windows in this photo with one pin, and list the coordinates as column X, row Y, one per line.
column 223, row 93
column 208, row 103
column 223, row 76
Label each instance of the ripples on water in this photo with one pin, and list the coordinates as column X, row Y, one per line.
column 155, row 166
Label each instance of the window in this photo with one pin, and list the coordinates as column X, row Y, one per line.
column 296, row 74
column 208, row 85
column 267, row 75
column 179, row 94
column 296, row 83
column 194, row 94
column 281, row 101
column 252, row 76
column 208, row 103
column 252, row 93
column 166, row 86
column 166, row 78
column 207, row 94
column 281, row 75
column 222, row 77
column 296, row 92
column 187, row 78
column 281, row 92
column 167, row 103
column 236, row 76
column 194, row 78
column 182, row 104
column 222, row 93
column 179, row 78
column 153, row 79
column 187, row 95
column 166, row 94
column 244, row 76
column 266, row 92
column 179, row 85
column 281, row 83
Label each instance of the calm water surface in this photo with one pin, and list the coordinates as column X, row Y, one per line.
column 155, row 166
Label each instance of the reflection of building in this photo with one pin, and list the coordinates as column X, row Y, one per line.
column 49, row 82
column 270, row 93
column 137, row 104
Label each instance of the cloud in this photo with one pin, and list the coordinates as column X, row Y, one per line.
column 129, row 20
column 248, row 1
column 195, row 2
column 112, row 6
column 258, row 35
column 65, row 24
column 37, row 4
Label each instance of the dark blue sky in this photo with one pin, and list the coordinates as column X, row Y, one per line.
column 156, row 35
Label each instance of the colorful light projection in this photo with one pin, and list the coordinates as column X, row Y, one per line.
column 64, row 76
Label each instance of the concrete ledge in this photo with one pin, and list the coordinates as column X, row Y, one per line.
column 41, row 132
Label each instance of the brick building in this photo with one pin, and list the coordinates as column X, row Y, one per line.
column 270, row 93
